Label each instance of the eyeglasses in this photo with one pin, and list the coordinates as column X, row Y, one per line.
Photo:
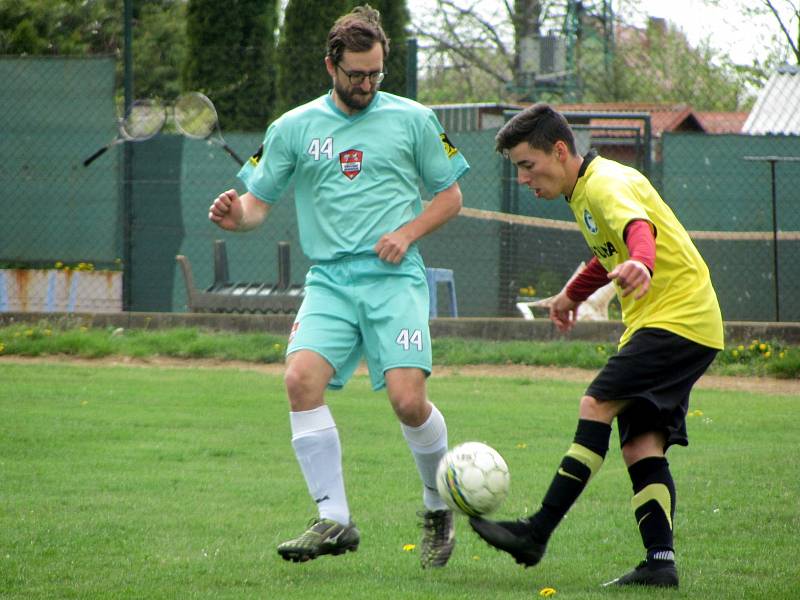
column 358, row 77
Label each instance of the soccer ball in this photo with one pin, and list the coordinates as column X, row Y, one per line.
column 473, row 478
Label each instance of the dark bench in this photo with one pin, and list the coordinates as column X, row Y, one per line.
column 224, row 296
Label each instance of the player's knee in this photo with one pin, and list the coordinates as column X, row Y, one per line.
column 593, row 409
column 410, row 407
column 300, row 388
column 644, row 446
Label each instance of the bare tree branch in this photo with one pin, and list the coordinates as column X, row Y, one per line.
column 466, row 53
column 789, row 38
column 484, row 24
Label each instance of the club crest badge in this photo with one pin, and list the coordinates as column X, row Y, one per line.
column 588, row 219
column 350, row 162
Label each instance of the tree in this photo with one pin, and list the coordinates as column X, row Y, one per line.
column 482, row 52
column 484, row 49
column 159, row 49
column 230, row 58
column 785, row 38
column 42, row 27
column 395, row 20
column 94, row 27
column 657, row 64
column 301, row 74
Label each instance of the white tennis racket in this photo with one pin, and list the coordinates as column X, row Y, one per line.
column 144, row 120
column 196, row 118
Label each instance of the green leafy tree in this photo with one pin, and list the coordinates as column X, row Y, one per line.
column 41, row 27
column 94, row 27
column 395, row 20
column 230, row 58
column 159, row 49
column 657, row 64
column 301, row 73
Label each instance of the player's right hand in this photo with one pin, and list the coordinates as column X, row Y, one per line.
column 563, row 311
column 227, row 211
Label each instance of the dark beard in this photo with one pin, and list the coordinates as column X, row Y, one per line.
column 355, row 98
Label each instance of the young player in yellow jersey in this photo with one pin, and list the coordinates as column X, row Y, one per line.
column 673, row 332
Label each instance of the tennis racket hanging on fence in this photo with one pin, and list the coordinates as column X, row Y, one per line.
column 196, row 117
column 144, row 120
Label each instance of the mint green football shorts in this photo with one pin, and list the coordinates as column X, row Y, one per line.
column 363, row 306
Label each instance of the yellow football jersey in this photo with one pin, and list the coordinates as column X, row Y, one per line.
column 681, row 299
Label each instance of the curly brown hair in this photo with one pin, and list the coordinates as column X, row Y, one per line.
column 357, row 31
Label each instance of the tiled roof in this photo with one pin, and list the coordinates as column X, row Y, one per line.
column 663, row 117
column 722, row 122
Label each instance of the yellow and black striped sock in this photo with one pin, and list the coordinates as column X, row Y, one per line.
column 653, row 505
column 583, row 459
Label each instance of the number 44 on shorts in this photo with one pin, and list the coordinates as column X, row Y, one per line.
column 407, row 338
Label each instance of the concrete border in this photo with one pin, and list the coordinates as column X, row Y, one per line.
column 498, row 329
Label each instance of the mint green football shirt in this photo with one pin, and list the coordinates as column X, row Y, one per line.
column 356, row 177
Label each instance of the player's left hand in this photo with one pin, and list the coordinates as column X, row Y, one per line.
column 632, row 276
column 392, row 247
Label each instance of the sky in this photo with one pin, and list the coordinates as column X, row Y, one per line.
column 725, row 28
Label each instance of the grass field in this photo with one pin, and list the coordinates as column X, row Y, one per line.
column 124, row 482
column 68, row 338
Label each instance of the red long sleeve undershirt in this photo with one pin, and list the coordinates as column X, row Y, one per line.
column 641, row 245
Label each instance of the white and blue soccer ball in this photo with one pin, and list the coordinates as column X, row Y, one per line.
column 473, row 478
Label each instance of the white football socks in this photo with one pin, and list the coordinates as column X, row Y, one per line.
column 428, row 444
column 316, row 444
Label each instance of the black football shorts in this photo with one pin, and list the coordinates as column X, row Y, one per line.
column 656, row 370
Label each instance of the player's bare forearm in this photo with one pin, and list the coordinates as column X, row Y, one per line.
column 444, row 206
column 232, row 212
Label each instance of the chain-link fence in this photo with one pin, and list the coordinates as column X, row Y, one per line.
column 105, row 237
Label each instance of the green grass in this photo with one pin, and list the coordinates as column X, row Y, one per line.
column 155, row 483
column 757, row 358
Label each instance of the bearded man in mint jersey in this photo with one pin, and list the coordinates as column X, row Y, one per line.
column 673, row 332
column 356, row 156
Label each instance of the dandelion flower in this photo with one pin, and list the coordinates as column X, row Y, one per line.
column 409, row 547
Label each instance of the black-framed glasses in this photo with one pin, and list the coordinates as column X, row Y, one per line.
column 358, row 77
